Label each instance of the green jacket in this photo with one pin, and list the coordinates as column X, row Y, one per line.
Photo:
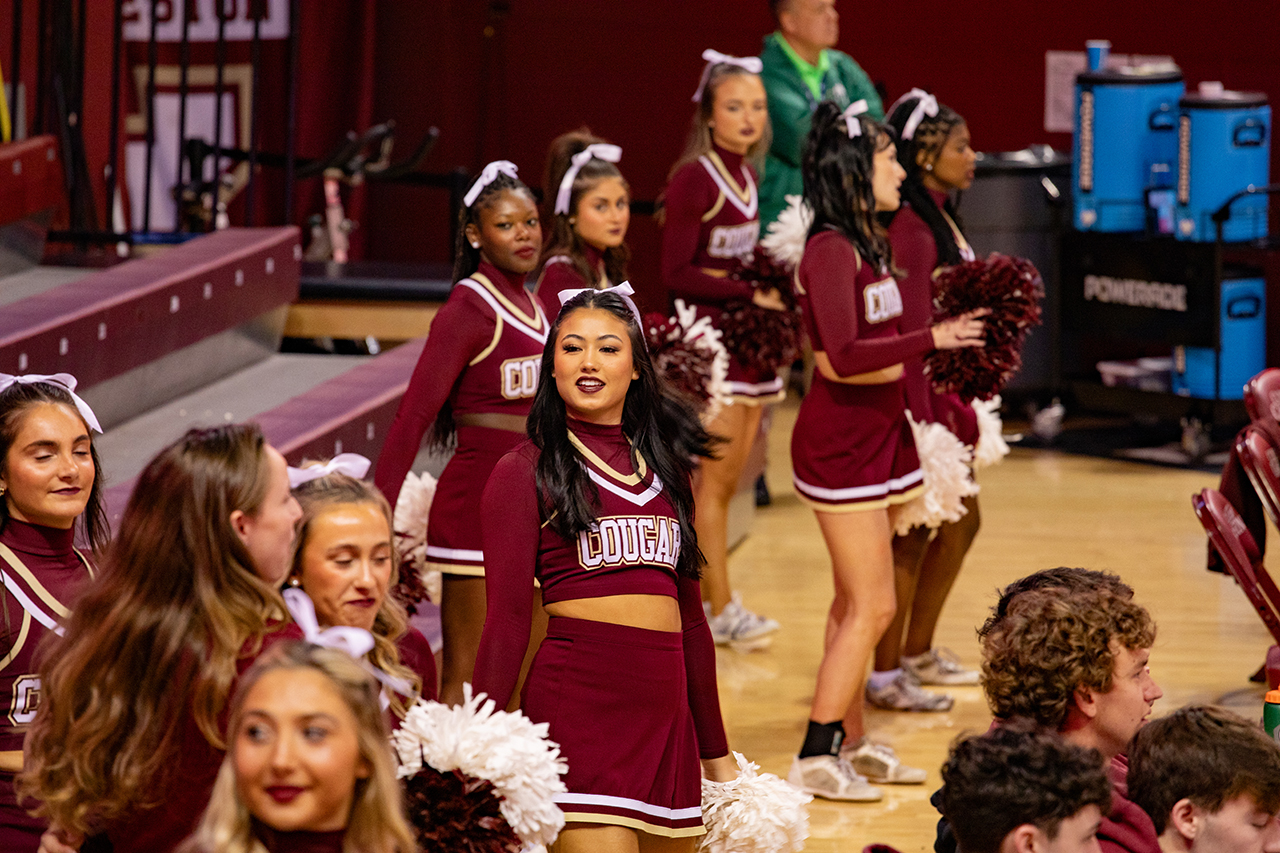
column 791, row 105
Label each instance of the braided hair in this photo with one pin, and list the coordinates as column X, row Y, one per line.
column 837, row 171
column 930, row 136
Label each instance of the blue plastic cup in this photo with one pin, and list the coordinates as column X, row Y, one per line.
column 1097, row 50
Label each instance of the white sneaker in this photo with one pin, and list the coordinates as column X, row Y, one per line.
column 905, row 694
column 880, row 764
column 832, row 778
column 737, row 624
column 940, row 666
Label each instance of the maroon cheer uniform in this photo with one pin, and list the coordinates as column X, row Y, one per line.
column 632, row 709
column 41, row 573
column 852, row 447
column 415, row 653
column 183, row 788
column 712, row 224
column 560, row 273
column 915, row 252
column 482, row 356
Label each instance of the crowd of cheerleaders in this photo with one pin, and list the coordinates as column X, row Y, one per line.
column 597, row 515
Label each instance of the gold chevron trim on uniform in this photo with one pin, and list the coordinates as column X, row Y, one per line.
column 36, row 587
column 20, row 642
column 534, row 322
column 497, row 336
column 743, row 193
column 629, row 479
column 715, row 208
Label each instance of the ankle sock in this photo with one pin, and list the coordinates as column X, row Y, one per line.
column 879, row 680
column 822, row 739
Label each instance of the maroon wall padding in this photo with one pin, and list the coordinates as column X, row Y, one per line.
column 30, row 178
column 129, row 315
column 350, row 413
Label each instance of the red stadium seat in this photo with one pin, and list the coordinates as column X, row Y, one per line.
column 1260, row 458
column 1229, row 536
column 1262, row 401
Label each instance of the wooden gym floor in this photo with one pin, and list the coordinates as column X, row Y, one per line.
column 1039, row 509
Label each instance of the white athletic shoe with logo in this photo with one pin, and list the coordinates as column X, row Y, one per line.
column 941, row 667
column 880, row 764
column 737, row 624
column 904, row 693
column 832, row 778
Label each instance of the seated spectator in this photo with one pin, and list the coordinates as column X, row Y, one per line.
column 1019, row 789
column 1209, row 780
column 1072, row 656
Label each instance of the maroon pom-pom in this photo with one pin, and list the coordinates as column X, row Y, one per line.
column 685, row 366
column 1012, row 289
column 409, row 590
column 456, row 813
column 762, row 339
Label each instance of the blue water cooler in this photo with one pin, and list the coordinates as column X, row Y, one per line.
column 1125, row 144
column 1224, row 146
column 1242, row 322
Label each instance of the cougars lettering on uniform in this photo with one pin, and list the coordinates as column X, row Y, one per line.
column 623, row 540
column 733, row 241
column 884, row 302
column 520, row 377
column 26, row 700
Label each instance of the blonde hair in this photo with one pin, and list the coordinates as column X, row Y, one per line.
column 700, row 140
column 391, row 623
column 156, row 637
column 376, row 824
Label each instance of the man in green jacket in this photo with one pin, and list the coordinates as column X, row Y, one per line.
column 801, row 69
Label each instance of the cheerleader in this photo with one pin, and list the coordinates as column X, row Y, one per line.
column 50, row 478
column 925, row 235
column 474, row 381
column 306, row 719
column 591, row 210
column 852, row 452
column 598, row 508
column 345, row 561
column 711, row 223
column 128, row 736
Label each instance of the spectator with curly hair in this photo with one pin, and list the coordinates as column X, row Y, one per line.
column 1064, row 578
column 1019, row 789
column 1209, row 780
column 1074, row 659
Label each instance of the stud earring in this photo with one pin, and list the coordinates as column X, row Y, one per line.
column 475, row 245
column 295, row 582
column 928, row 167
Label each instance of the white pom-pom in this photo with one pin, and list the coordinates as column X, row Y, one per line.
column 991, row 444
column 412, row 509
column 755, row 813
column 505, row 749
column 945, row 461
column 701, row 333
column 788, row 233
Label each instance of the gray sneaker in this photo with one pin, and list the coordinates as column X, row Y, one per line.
column 880, row 764
column 737, row 624
column 832, row 778
column 940, row 666
column 905, row 694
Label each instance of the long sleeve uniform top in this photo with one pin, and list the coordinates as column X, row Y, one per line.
column 853, row 312
column 791, row 107
column 632, row 549
column 559, row 273
column 712, row 223
column 483, row 355
column 43, row 566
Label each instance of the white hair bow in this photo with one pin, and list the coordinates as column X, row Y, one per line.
column 926, row 105
column 594, row 151
column 852, row 124
column 624, row 290
column 714, row 58
column 488, row 176
column 67, row 381
column 351, row 464
column 357, row 642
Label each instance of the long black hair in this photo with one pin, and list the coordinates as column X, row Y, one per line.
column 662, row 429
column 15, row 402
column 466, row 260
column 929, row 137
column 562, row 239
column 837, row 170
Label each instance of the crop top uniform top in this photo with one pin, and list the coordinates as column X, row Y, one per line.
column 633, row 548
